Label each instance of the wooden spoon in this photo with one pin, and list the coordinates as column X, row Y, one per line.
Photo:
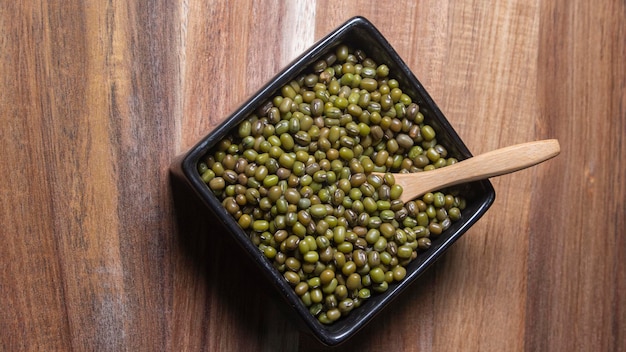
column 494, row 163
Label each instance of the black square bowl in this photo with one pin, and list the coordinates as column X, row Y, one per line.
column 357, row 32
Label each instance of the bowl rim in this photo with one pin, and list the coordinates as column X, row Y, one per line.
column 185, row 167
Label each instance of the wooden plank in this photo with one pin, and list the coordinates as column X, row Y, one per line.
column 576, row 270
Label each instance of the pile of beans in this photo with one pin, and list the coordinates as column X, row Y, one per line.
column 297, row 177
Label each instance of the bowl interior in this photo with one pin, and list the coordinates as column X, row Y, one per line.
column 358, row 33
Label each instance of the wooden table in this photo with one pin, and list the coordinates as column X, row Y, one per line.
column 97, row 98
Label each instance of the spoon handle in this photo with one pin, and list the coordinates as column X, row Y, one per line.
column 494, row 163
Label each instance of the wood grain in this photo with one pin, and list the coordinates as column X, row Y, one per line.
column 102, row 252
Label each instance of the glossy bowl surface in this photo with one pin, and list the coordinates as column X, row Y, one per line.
column 357, row 32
